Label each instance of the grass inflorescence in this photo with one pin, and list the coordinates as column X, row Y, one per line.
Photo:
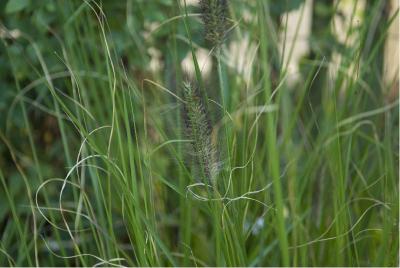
column 214, row 15
column 198, row 129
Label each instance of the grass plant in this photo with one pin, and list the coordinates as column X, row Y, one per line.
column 106, row 161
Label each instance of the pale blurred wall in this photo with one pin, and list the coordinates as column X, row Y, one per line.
column 340, row 26
column 349, row 15
column 391, row 54
column 299, row 20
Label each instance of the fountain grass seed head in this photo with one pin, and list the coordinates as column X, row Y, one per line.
column 198, row 129
column 214, row 16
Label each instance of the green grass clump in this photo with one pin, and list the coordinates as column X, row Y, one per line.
column 111, row 156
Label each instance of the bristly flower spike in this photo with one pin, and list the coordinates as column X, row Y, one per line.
column 198, row 129
column 214, row 16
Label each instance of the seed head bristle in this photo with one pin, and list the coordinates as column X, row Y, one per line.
column 198, row 129
column 214, row 16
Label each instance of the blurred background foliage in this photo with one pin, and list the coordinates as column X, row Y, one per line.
column 130, row 22
column 45, row 22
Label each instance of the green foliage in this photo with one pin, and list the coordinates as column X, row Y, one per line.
column 109, row 156
column 16, row 5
